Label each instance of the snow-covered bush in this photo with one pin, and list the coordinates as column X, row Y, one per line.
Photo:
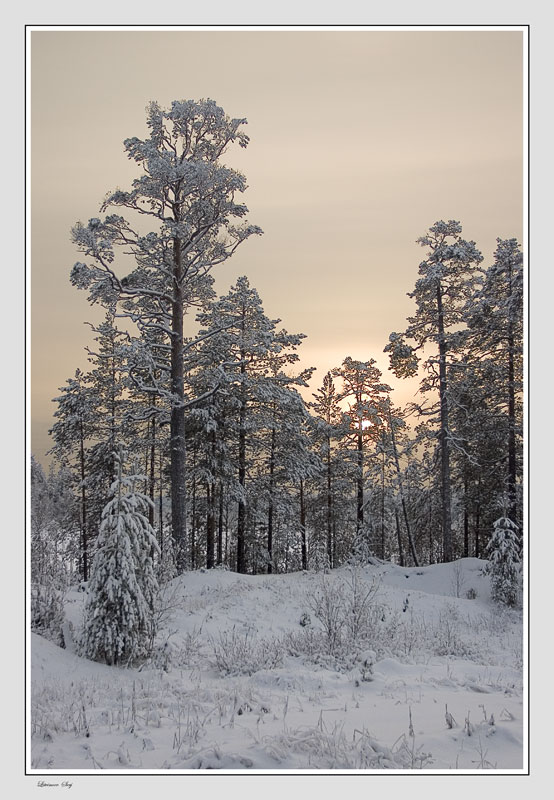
column 47, row 614
column 119, row 616
column 240, row 653
column 503, row 553
column 345, row 611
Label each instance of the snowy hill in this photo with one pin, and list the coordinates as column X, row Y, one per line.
column 373, row 668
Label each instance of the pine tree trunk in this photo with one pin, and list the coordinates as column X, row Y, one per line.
column 399, row 539
column 466, row 521
column 430, row 525
column 160, row 507
column 241, row 513
column 447, row 552
column 193, row 527
column 220, row 527
column 478, row 531
column 303, row 542
column 360, row 484
column 152, row 472
column 383, row 508
column 84, row 536
column 512, row 464
column 177, row 443
column 329, row 506
column 210, row 526
column 270, row 505
column 210, row 507
column 401, row 487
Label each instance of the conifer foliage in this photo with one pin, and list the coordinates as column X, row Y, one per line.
column 119, row 623
column 207, row 395
column 503, row 552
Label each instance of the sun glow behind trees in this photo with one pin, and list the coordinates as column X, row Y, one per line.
column 235, row 460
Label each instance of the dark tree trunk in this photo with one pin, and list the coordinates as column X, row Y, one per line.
column 466, row 521
column 512, row 464
column 160, row 506
column 360, row 483
column 241, row 514
column 193, row 527
column 399, row 539
column 220, row 527
column 329, row 506
column 478, row 531
column 152, row 480
column 270, row 504
column 447, row 551
column 210, row 508
column 177, row 443
column 84, row 536
column 383, row 508
column 210, row 526
column 430, row 524
column 400, row 486
column 303, row 542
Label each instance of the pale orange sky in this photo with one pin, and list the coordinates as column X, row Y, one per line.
column 360, row 140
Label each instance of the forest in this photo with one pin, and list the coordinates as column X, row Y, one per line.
column 195, row 442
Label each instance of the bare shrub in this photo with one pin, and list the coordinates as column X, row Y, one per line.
column 239, row 653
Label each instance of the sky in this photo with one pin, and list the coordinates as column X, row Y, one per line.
column 360, row 141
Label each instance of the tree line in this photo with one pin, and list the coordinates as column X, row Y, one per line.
column 209, row 425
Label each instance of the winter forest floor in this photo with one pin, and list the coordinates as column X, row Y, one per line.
column 269, row 673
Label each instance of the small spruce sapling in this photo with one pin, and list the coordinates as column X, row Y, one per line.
column 119, row 620
column 503, row 553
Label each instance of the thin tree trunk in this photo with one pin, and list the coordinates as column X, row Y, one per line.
column 210, row 526
column 447, row 551
column 241, row 513
column 360, row 483
column 466, row 520
column 220, row 527
column 383, row 508
column 177, row 421
column 152, row 481
column 210, row 507
column 329, row 506
column 430, row 524
column 399, row 538
column 84, row 536
column 512, row 464
column 270, row 504
column 303, row 542
column 193, row 527
column 478, row 530
column 401, row 487
column 160, row 507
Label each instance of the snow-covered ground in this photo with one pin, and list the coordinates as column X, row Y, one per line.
column 258, row 673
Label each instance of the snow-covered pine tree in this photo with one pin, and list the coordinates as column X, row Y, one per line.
column 107, row 392
column 190, row 198
column 448, row 278
column 48, row 567
column 366, row 396
column 328, row 426
column 248, row 357
column 119, row 621
column 495, row 318
column 394, row 438
column 72, row 434
column 503, row 553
